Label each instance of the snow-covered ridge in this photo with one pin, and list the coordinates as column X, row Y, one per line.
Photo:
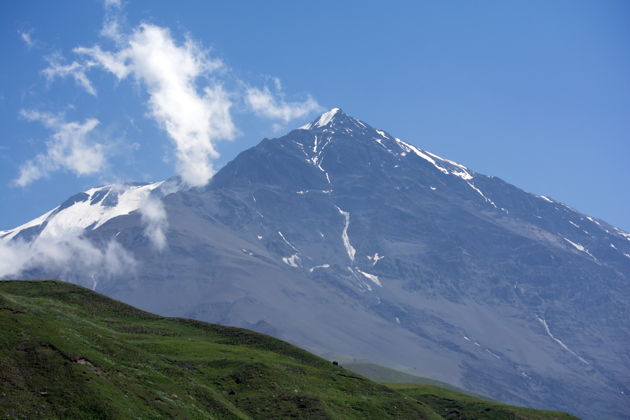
column 408, row 148
column 10, row 234
column 335, row 119
column 323, row 120
column 89, row 209
column 622, row 233
column 328, row 119
column 392, row 145
column 443, row 165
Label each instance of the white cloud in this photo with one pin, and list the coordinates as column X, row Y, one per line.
column 112, row 3
column 155, row 221
column 70, row 147
column 75, row 70
column 111, row 29
column 69, row 257
column 112, row 20
column 264, row 103
column 26, row 37
column 194, row 119
column 187, row 94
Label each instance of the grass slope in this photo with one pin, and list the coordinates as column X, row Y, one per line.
column 449, row 401
column 67, row 352
column 380, row 373
column 450, row 404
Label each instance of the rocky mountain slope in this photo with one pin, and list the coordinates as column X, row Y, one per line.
column 346, row 240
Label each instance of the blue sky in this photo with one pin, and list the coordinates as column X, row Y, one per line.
column 535, row 92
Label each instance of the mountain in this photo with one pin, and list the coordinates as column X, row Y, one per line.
column 87, row 210
column 67, row 352
column 346, row 240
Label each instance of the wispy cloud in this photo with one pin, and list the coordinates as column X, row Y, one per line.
column 112, row 3
column 155, row 221
column 70, row 147
column 74, row 69
column 112, row 20
column 27, row 38
column 188, row 93
column 271, row 105
column 193, row 118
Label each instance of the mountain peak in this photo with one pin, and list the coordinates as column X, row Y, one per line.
column 335, row 116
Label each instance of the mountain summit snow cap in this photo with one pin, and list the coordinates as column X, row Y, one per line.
column 329, row 119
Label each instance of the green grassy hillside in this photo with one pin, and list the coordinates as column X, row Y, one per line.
column 69, row 353
column 379, row 373
column 448, row 401
column 456, row 405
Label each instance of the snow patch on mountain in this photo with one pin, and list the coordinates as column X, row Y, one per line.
column 493, row 354
column 459, row 165
column 302, row 192
column 622, row 233
column 323, row 120
column 380, row 142
column 362, row 283
column 557, row 340
column 292, row 261
column 463, row 175
column 90, row 209
column 579, row 247
column 374, row 279
column 456, row 169
column 326, row 117
column 344, row 234
column 471, row 185
column 593, row 220
column 318, row 267
column 316, row 160
column 408, row 148
column 287, row 242
column 10, row 234
column 375, row 258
